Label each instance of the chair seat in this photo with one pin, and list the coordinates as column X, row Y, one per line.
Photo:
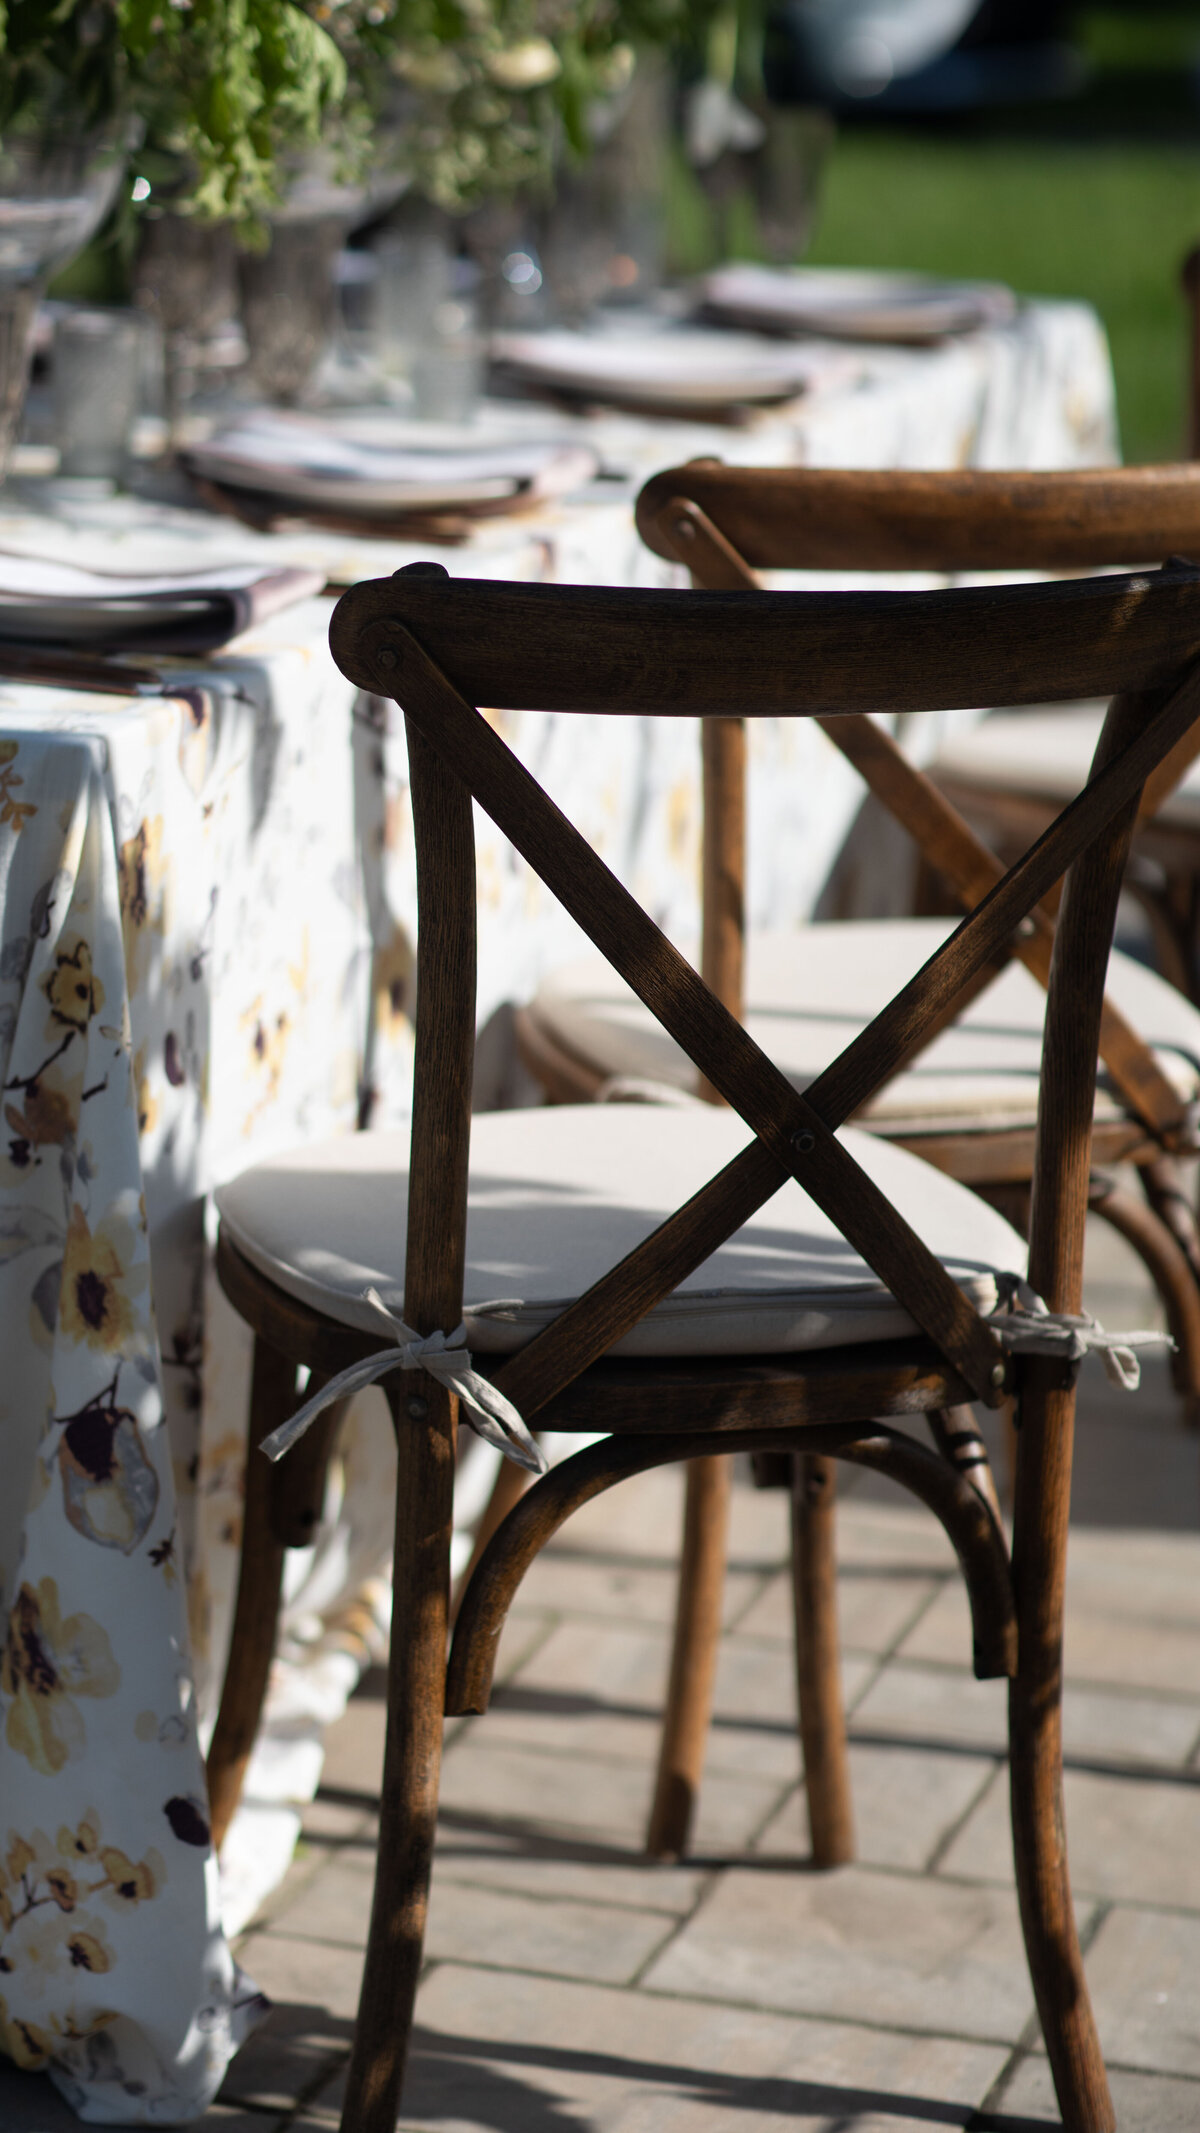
column 1047, row 755
column 809, row 993
column 560, row 1195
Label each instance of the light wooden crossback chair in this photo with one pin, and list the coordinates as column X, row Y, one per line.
column 1009, row 787
column 968, row 1102
column 748, row 1275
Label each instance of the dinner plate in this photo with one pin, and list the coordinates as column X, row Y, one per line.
column 846, row 304
column 676, row 369
column 381, row 468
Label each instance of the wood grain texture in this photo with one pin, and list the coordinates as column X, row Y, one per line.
column 694, row 1649
column 425, row 1417
column 1043, row 1480
column 818, row 1660
column 260, row 1585
column 779, row 655
column 817, row 518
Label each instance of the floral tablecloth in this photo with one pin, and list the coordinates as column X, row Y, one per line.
column 205, row 954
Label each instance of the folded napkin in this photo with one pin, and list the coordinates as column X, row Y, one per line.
column 55, row 605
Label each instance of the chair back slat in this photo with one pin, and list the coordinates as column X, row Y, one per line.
column 942, row 836
column 444, row 831
column 816, row 518
column 1066, row 1098
column 871, row 1057
column 779, row 655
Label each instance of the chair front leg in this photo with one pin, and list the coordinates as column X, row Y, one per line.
column 424, row 1421
column 1047, row 1420
column 260, row 1581
column 818, row 1660
column 693, row 1656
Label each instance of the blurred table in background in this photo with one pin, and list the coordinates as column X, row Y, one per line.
column 209, row 910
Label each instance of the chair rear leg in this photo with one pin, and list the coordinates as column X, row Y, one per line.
column 818, row 1660
column 260, row 1580
column 1047, row 1416
column 693, row 1656
column 413, row 1754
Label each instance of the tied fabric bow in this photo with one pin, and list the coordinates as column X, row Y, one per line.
column 447, row 1358
column 1023, row 1323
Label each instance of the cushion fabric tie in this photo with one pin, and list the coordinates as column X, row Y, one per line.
column 1023, row 1323
column 447, row 1358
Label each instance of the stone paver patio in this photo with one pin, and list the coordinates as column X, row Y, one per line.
column 570, row 1985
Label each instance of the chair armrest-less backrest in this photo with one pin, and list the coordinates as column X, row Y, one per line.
column 442, row 646
column 777, row 655
column 815, row 518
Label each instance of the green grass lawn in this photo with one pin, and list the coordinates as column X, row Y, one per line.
column 1106, row 220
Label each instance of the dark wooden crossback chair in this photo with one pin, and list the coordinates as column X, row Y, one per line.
column 849, row 1298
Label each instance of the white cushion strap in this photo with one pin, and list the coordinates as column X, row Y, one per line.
column 447, row 1358
column 1023, row 1323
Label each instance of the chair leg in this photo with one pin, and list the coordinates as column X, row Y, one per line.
column 260, row 1580
column 693, row 1656
column 818, row 1660
column 412, row 1756
column 1047, row 1416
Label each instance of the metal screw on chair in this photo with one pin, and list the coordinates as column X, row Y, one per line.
column 804, row 1142
column 997, row 1374
column 417, row 1407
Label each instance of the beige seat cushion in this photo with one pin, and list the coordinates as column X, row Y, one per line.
column 809, row 993
column 559, row 1195
column 1047, row 754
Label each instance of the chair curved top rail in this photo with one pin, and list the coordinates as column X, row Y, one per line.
column 816, row 518
column 703, row 654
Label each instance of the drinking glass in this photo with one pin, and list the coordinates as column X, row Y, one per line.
column 57, row 183
column 96, row 382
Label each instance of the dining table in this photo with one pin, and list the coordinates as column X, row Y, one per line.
column 207, row 928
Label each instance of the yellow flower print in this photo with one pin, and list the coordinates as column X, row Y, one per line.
column 14, row 813
column 141, row 869
column 72, row 987
column 46, row 1116
column 130, row 1884
column 49, row 1659
column 144, row 1097
column 104, row 1271
column 23, row 2042
column 88, row 1951
column 44, row 1942
column 21, row 1856
column 269, row 1038
column 62, row 1888
column 81, row 1842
